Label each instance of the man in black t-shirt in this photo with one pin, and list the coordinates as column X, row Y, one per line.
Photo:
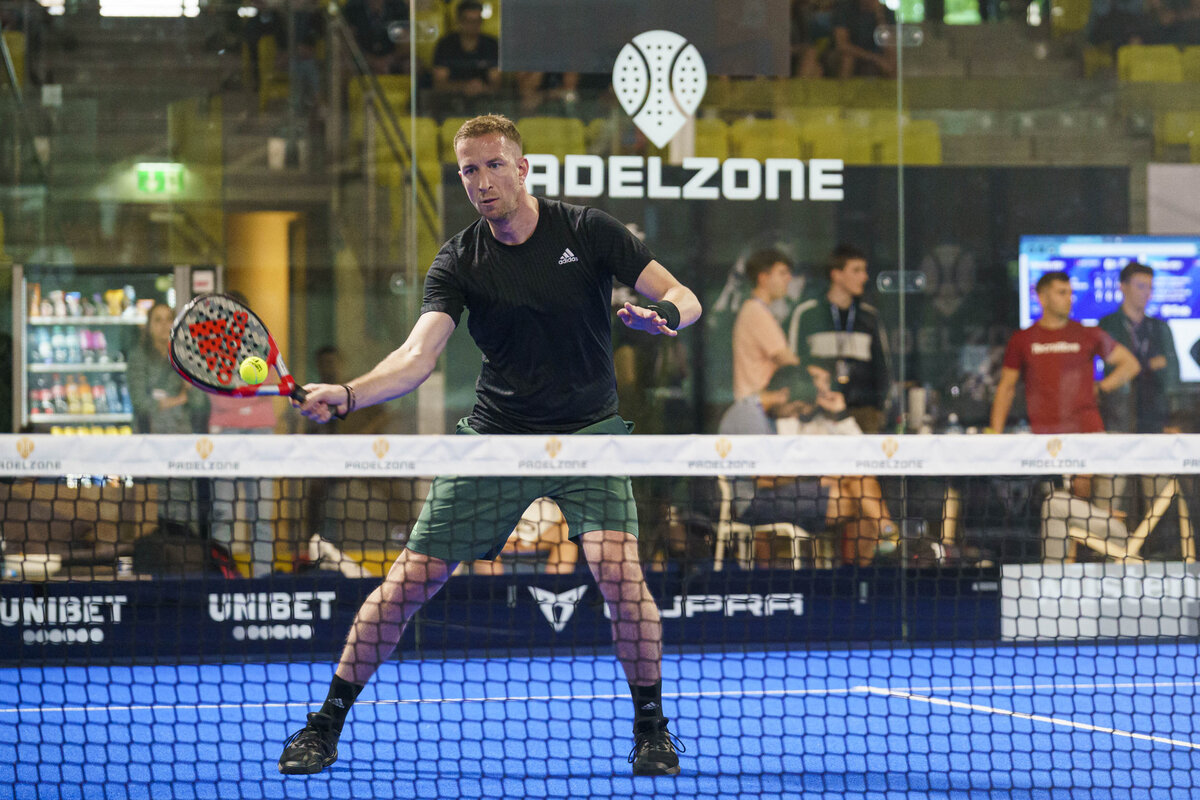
column 536, row 276
column 466, row 63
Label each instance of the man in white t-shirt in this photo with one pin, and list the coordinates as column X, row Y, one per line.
column 759, row 343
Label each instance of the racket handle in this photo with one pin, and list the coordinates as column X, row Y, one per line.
column 298, row 394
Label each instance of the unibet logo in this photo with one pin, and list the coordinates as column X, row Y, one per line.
column 659, row 80
column 558, row 608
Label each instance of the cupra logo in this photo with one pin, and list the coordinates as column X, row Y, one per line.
column 890, row 446
column 380, row 448
column 558, row 608
column 204, row 447
column 660, row 80
column 553, row 447
column 25, row 446
column 1054, row 447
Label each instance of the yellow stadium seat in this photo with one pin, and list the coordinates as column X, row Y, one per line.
column 922, row 143
column 272, row 82
column 1191, row 64
column 712, row 138
column 1155, row 63
column 15, row 41
column 806, row 114
column 425, row 146
column 556, row 136
column 446, row 132
column 1097, row 59
column 396, row 89
column 1175, row 128
column 1069, row 16
column 765, row 138
column 851, row 143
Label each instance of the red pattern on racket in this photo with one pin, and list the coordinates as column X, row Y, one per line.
column 211, row 338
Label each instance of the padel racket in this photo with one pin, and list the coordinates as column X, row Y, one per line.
column 211, row 338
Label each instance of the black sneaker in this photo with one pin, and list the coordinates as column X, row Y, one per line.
column 655, row 749
column 312, row 748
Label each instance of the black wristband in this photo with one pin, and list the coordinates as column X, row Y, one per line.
column 667, row 310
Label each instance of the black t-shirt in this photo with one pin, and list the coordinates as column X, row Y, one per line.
column 540, row 313
column 464, row 65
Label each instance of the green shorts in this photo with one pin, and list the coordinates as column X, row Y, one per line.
column 466, row 518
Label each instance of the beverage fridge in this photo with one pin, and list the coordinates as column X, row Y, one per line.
column 73, row 330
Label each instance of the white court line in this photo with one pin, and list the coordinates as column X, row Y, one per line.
column 1066, row 723
column 432, row 700
column 905, row 691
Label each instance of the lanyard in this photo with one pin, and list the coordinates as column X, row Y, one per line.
column 837, row 318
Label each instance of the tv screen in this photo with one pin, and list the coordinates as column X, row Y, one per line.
column 1094, row 264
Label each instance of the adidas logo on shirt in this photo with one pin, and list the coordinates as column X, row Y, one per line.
column 567, row 257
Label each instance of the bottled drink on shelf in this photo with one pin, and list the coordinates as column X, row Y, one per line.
column 86, row 401
column 126, row 403
column 100, row 398
column 112, row 395
column 100, row 347
column 57, row 396
column 86, row 346
column 72, row 389
column 45, row 349
column 45, row 402
column 58, row 341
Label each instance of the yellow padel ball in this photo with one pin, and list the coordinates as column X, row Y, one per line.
column 253, row 370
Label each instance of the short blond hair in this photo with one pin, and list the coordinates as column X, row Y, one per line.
column 487, row 124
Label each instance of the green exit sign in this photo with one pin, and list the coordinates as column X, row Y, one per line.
column 160, row 178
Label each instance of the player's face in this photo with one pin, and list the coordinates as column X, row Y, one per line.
column 1137, row 291
column 1056, row 300
column 493, row 173
column 776, row 280
column 853, row 277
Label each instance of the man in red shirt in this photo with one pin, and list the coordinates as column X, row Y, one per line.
column 1055, row 357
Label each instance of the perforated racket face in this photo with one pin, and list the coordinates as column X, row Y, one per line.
column 212, row 337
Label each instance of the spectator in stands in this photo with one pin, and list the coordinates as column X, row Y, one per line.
column 1055, row 358
column 759, row 344
column 162, row 401
column 381, row 29
column 1117, row 22
column 250, row 499
column 1172, row 22
column 1143, row 406
column 539, row 544
column 812, row 35
column 843, row 336
column 813, row 503
column 855, row 51
column 466, row 63
column 548, row 93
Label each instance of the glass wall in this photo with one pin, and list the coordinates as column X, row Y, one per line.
column 306, row 154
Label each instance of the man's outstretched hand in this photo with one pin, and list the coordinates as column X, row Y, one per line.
column 643, row 319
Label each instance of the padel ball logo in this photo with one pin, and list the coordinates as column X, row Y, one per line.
column 25, row 447
column 659, row 80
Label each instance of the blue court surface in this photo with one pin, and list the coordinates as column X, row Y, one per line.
column 1044, row 722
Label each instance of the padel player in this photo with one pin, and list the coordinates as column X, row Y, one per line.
column 536, row 276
